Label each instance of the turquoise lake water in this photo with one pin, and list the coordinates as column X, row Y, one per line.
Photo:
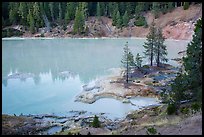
column 54, row 71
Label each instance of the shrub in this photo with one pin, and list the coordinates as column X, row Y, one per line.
column 151, row 130
column 195, row 106
column 96, row 122
column 186, row 5
column 42, row 35
column 184, row 110
column 171, row 109
column 140, row 21
column 146, row 66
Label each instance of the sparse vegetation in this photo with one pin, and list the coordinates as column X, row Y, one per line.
column 171, row 109
column 151, row 131
column 96, row 122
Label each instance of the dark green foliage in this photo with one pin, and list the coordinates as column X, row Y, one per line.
column 138, row 61
column 98, row 10
column 146, row 66
column 160, row 49
column 151, row 131
column 171, row 109
column 96, row 122
column 195, row 106
column 186, row 5
column 184, row 110
column 17, row 12
column 11, row 32
column 156, row 9
column 70, row 12
column 179, row 85
column 118, row 20
column 149, row 45
column 140, row 21
column 125, row 19
column 13, row 13
column 60, row 13
column 139, row 9
column 79, row 21
column 193, row 62
column 31, row 22
column 127, row 60
column 170, row 6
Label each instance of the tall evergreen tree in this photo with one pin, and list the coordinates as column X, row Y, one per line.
column 79, row 21
column 60, row 13
column 22, row 11
column 186, row 5
column 138, row 9
column 193, row 62
column 70, row 12
column 127, row 60
column 13, row 13
column 160, row 49
column 156, row 9
column 149, row 45
column 51, row 7
column 98, row 10
column 125, row 19
column 37, row 15
column 138, row 61
column 31, row 22
column 170, row 6
column 118, row 20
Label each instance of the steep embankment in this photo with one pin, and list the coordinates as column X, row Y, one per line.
column 178, row 24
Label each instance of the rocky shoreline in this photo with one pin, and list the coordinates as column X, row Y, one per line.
column 148, row 85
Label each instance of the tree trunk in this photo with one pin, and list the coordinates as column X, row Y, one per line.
column 158, row 58
column 127, row 72
column 151, row 58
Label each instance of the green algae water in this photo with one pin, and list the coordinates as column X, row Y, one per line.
column 41, row 76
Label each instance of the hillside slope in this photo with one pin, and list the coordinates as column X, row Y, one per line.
column 178, row 24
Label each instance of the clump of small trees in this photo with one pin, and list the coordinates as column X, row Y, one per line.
column 128, row 61
column 154, row 49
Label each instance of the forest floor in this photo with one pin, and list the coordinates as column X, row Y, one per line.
column 178, row 24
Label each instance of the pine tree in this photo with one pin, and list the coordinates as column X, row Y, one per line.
column 138, row 61
column 114, row 20
column 51, row 6
column 60, row 13
column 186, row 5
column 98, row 10
column 170, row 6
column 79, row 21
column 160, row 49
column 125, row 19
column 30, row 20
column 118, row 20
column 37, row 15
column 96, row 122
column 22, row 11
column 13, row 13
column 193, row 62
column 149, row 45
column 188, row 84
column 127, row 60
column 156, row 9
column 84, row 10
column 138, row 9
column 70, row 12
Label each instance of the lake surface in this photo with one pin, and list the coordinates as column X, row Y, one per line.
column 51, row 72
